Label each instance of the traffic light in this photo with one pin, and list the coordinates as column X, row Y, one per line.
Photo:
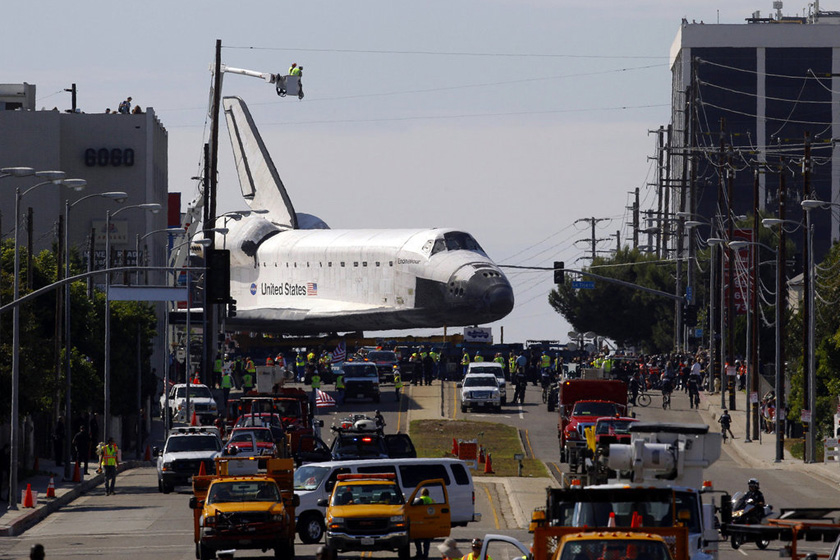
column 231, row 308
column 559, row 273
column 690, row 315
column 218, row 276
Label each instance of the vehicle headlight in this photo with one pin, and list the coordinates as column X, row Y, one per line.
column 336, row 523
column 467, row 394
column 167, row 465
column 209, row 520
column 278, row 517
column 212, row 407
column 397, row 518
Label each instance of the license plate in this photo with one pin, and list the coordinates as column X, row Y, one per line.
column 368, row 541
column 360, row 396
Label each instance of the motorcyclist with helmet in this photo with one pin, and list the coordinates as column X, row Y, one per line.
column 755, row 495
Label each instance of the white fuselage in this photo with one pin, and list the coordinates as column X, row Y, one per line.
column 334, row 280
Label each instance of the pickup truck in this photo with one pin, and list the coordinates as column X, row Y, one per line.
column 367, row 512
column 185, row 450
column 244, row 507
column 201, row 402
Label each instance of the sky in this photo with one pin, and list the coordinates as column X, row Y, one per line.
column 509, row 119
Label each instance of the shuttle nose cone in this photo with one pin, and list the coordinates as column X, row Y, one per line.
column 493, row 293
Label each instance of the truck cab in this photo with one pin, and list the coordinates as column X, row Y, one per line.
column 367, row 512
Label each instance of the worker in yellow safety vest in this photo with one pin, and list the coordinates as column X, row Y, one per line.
column 511, row 363
column 398, row 384
column 109, row 462
column 294, row 70
column 476, row 551
column 465, row 362
column 310, row 358
column 300, row 366
column 217, row 370
column 478, row 357
column 339, row 387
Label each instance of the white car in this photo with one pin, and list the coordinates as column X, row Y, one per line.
column 201, row 402
column 480, row 390
column 496, row 369
column 185, row 451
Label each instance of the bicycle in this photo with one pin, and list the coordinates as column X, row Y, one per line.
column 666, row 400
column 642, row 399
column 723, row 435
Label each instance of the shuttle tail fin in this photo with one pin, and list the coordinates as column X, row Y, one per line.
column 258, row 178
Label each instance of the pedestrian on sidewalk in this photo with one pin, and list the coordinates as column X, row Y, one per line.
column 81, row 447
column 449, row 549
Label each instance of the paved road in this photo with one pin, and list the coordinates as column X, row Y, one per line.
column 140, row 523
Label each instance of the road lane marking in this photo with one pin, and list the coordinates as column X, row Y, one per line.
column 528, row 440
column 493, row 509
column 521, row 412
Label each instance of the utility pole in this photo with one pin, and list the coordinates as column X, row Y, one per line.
column 660, row 187
column 810, row 452
column 593, row 240
column 730, row 303
column 72, row 91
column 781, row 307
column 635, row 224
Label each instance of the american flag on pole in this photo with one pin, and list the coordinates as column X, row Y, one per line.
column 323, row 400
column 340, row 353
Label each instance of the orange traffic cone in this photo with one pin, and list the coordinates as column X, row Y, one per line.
column 148, row 456
column 481, row 454
column 637, row 520
column 194, row 419
column 611, row 521
column 77, row 475
column 455, row 447
column 28, row 501
column 201, row 470
column 51, row 488
column 488, row 465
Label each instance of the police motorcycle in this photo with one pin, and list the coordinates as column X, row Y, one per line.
column 746, row 512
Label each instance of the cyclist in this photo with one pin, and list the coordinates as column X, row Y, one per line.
column 694, row 389
column 726, row 424
column 635, row 385
column 667, row 388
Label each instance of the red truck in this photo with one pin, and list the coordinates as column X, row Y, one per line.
column 581, row 403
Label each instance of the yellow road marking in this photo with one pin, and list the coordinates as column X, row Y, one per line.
column 528, row 441
column 493, row 509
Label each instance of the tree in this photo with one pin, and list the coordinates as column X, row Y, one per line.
column 621, row 313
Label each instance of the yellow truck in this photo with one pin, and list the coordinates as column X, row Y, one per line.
column 368, row 512
column 242, row 506
column 604, row 543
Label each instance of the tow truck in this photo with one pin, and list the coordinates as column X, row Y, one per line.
column 367, row 512
column 659, row 482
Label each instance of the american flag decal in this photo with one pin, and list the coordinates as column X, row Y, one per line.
column 340, row 353
column 323, row 400
column 311, row 289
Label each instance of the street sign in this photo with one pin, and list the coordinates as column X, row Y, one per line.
column 689, row 294
column 698, row 333
column 583, row 284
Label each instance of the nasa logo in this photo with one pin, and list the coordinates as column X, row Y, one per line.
column 253, row 289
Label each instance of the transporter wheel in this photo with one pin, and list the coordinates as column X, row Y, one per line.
column 735, row 541
column 762, row 543
column 310, row 528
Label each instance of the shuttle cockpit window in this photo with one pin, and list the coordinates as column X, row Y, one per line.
column 456, row 241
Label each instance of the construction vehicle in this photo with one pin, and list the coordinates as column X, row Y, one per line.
column 595, row 543
column 580, row 403
column 599, row 437
column 244, row 507
column 658, row 481
column 367, row 512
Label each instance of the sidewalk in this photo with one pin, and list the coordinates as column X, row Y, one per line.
column 15, row 522
column 761, row 453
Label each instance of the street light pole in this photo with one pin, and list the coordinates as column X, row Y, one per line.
column 55, row 178
column 68, row 430
column 154, row 208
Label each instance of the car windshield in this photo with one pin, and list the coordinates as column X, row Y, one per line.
column 177, row 444
column 261, row 436
column 200, row 391
column 309, row 477
column 382, row 356
column 366, row 370
column 615, row 549
column 355, row 494
column 480, row 381
column 595, row 409
column 614, row 427
column 243, row 491
column 497, row 371
column 359, row 446
column 259, row 420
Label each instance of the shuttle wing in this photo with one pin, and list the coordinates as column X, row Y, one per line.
column 261, row 185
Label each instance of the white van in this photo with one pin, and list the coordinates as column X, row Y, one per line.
column 314, row 481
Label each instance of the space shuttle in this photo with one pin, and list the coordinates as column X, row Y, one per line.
column 291, row 273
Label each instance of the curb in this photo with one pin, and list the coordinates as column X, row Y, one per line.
column 32, row 518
